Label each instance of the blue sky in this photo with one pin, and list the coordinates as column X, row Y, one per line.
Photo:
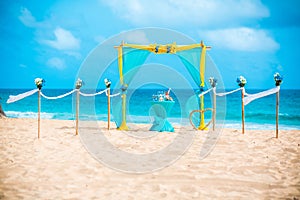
column 51, row 39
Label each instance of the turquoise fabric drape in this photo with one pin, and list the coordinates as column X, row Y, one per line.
column 191, row 60
column 160, row 112
column 117, row 110
column 132, row 59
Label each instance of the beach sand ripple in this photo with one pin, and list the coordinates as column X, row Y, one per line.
column 57, row 166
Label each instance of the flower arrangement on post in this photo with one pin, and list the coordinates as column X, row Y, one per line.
column 79, row 83
column 241, row 81
column 278, row 79
column 107, row 82
column 124, row 88
column 212, row 81
column 39, row 82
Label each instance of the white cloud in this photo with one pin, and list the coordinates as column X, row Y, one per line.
column 64, row 40
column 74, row 54
column 56, row 63
column 29, row 20
column 204, row 13
column 138, row 37
column 26, row 18
column 240, row 39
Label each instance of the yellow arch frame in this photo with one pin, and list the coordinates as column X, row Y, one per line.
column 161, row 49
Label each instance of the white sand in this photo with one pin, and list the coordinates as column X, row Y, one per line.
column 57, row 166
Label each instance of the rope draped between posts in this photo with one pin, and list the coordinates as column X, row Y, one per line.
column 14, row 98
column 58, row 97
column 205, row 92
column 92, row 94
column 220, row 94
column 112, row 95
column 226, row 93
column 39, row 82
column 246, row 99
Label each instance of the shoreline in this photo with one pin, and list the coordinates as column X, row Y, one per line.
column 249, row 126
column 58, row 166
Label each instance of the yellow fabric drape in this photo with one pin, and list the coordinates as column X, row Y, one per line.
column 202, row 66
column 168, row 48
column 123, row 125
column 202, row 84
column 120, row 63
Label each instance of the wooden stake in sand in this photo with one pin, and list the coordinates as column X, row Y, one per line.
column 278, row 80
column 78, row 85
column 39, row 110
column 214, row 110
column 243, row 112
column 39, row 82
column 213, row 84
column 77, row 110
column 277, row 111
column 242, row 82
column 108, row 108
column 107, row 84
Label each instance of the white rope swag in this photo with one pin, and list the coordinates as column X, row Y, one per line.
column 252, row 97
column 18, row 97
column 247, row 99
column 93, row 94
column 112, row 95
column 203, row 93
column 60, row 96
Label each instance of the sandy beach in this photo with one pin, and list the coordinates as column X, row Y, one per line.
column 255, row 165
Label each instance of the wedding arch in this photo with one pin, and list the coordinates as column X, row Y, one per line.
column 131, row 56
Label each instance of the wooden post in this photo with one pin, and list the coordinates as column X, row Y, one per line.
column 39, row 111
column 277, row 111
column 243, row 112
column 108, row 108
column 214, row 109
column 77, row 110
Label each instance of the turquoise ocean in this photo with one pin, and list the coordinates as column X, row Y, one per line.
column 259, row 114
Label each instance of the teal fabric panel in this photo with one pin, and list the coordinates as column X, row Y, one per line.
column 160, row 112
column 132, row 59
column 191, row 60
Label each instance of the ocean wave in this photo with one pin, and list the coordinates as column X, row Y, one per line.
column 44, row 115
column 257, row 126
column 271, row 116
column 179, row 121
column 61, row 116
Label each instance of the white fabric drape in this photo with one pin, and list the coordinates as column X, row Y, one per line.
column 251, row 97
column 18, row 97
column 90, row 95
column 230, row 92
column 60, row 96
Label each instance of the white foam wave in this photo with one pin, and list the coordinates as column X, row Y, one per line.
column 16, row 114
column 143, row 119
column 256, row 126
